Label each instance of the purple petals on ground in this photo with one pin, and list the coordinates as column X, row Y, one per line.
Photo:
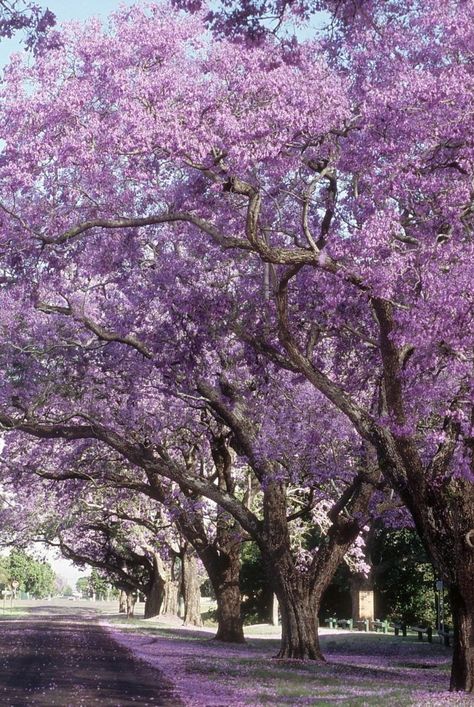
column 360, row 670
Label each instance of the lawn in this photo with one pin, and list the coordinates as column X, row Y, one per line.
column 7, row 612
column 361, row 669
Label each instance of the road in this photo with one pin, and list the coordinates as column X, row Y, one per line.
column 59, row 656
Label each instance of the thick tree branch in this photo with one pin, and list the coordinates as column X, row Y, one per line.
column 235, row 419
column 118, row 223
column 151, row 460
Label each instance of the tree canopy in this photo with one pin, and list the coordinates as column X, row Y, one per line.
column 274, row 240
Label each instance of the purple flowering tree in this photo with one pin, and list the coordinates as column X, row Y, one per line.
column 329, row 199
column 205, row 530
column 29, row 19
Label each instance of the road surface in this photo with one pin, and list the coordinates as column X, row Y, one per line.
column 60, row 657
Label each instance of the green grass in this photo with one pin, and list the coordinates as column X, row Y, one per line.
column 262, row 630
column 9, row 613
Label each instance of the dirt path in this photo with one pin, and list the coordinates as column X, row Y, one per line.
column 61, row 658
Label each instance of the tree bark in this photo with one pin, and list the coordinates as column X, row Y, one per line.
column 444, row 517
column 462, row 603
column 191, row 589
column 299, row 619
column 131, row 600
column 170, row 597
column 229, row 620
column 459, row 563
column 298, row 604
column 227, row 591
column 222, row 561
column 300, row 590
column 224, row 572
column 122, row 602
column 155, row 592
column 275, row 611
column 445, row 526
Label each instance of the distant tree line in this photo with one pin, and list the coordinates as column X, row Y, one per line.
column 21, row 572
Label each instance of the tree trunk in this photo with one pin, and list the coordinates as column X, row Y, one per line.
column 153, row 602
column 275, row 619
column 170, row 597
column 224, row 570
column 131, row 600
column 299, row 592
column 298, row 605
column 444, row 518
column 459, row 562
column 444, row 522
column 229, row 619
column 155, row 594
column 462, row 670
column 462, row 598
column 191, row 589
column 222, row 559
column 170, row 585
column 299, row 615
column 122, row 602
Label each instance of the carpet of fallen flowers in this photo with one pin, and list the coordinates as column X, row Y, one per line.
column 360, row 669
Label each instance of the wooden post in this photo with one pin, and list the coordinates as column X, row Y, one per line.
column 275, row 617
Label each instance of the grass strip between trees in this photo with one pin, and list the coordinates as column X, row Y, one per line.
column 361, row 669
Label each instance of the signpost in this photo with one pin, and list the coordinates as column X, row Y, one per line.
column 440, row 605
column 14, row 584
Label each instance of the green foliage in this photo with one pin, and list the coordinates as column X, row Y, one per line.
column 114, row 593
column 98, row 585
column 404, row 578
column 34, row 577
column 254, row 585
column 3, row 572
column 403, row 582
column 83, row 586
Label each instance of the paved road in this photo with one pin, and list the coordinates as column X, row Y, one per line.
column 62, row 658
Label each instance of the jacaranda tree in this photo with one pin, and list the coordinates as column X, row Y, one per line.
column 331, row 188
column 29, row 19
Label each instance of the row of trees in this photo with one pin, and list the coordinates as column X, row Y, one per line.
column 240, row 273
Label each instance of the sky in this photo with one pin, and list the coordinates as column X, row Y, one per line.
column 60, row 565
column 66, row 10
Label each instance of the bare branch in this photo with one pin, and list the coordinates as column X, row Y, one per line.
column 303, row 511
